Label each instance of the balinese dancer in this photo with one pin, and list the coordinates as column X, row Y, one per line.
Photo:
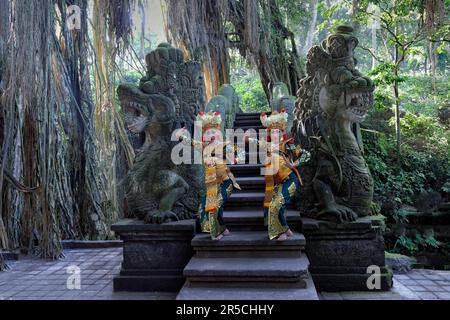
column 219, row 180
column 281, row 173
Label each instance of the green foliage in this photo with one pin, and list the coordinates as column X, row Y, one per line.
column 425, row 145
column 400, row 214
column 408, row 245
column 251, row 93
column 424, row 164
column 418, row 171
column 295, row 11
column 425, row 134
column 446, row 187
column 405, row 243
column 131, row 76
column 384, row 74
column 333, row 15
column 419, row 96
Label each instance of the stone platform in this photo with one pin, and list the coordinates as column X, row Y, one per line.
column 153, row 255
column 340, row 254
column 37, row 279
column 247, row 265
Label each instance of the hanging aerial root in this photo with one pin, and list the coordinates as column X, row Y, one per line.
column 17, row 184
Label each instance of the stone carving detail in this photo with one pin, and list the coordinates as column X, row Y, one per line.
column 333, row 99
column 282, row 99
column 168, row 74
column 169, row 96
column 227, row 103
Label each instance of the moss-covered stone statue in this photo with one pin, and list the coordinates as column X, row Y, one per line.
column 283, row 100
column 168, row 97
column 226, row 103
column 333, row 99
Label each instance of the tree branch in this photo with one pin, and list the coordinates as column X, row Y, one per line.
column 372, row 54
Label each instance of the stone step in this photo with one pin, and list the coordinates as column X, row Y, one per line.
column 196, row 292
column 256, row 157
column 246, row 170
column 252, row 219
column 247, row 269
column 244, row 198
column 248, row 118
column 250, row 114
column 246, row 127
column 251, row 183
column 248, row 244
column 245, row 122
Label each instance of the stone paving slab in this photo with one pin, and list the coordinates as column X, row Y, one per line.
column 415, row 285
column 36, row 279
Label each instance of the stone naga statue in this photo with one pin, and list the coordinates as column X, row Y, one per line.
column 226, row 103
column 169, row 96
column 283, row 100
column 333, row 99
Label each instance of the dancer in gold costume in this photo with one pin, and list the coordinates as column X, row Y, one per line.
column 219, row 180
column 281, row 174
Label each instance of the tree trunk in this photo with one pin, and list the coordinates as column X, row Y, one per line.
column 397, row 117
column 433, row 62
column 276, row 63
column 314, row 5
column 374, row 47
column 142, row 37
column 197, row 27
column 4, row 12
column 397, row 101
column 47, row 125
column 355, row 11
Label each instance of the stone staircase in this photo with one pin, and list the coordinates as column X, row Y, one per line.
column 246, row 265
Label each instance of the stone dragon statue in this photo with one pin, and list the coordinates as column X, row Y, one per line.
column 332, row 100
column 168, row 97
column 226, row 103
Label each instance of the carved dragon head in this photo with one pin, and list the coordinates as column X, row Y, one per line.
column 149, row 115
column 334, row 87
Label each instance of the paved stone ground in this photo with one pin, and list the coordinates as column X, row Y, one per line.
column 416, row 285
column 35, row 279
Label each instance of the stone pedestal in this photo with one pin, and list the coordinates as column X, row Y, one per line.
column 340, row 254
column 154, row 256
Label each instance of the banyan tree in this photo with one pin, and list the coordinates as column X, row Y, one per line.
column 64, row 147
column 59, row 127
column 206, row 30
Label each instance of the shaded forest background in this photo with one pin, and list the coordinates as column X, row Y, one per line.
column 64, row 148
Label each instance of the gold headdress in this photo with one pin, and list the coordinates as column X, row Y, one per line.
column 210, row 120
column 275, row 120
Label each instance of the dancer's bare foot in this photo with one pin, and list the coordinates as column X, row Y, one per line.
column 289, row 233
column 220, row 236
column 226, row 232
column 282, row 237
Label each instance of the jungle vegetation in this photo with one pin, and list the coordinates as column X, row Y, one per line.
column 64, row 148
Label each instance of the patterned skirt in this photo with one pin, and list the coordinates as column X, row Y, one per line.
column 275, row 215
column 213, row 221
